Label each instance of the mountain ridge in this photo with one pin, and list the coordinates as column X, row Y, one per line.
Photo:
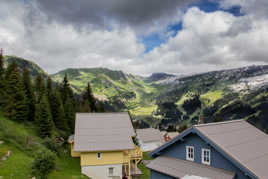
column 161, row 99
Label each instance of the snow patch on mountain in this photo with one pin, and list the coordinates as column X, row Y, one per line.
column 252, row 83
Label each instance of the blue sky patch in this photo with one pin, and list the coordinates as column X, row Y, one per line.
column 154, row 40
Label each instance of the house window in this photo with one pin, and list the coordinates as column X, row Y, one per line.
column 190, row 153
column 98, row 155
column 111, row 171
column 206, row 156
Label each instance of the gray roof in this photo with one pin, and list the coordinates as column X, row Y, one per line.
column 149, row 135
column 179, row 168
column 242, row 141
column 103, row 132
column 172, row 134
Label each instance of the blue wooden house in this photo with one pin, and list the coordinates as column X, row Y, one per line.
column 223, row 150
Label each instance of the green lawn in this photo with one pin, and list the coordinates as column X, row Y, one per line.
column 146, row 172
column 144, row 111
column 210, row 97
column 19, row 164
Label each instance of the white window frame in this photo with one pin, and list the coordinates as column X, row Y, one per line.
column 188, row 148
column 112, row 169
column 98, row 155
column 207, row 156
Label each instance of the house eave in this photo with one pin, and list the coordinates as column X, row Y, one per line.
column 193, row 130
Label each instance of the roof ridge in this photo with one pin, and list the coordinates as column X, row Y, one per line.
column 218, row 123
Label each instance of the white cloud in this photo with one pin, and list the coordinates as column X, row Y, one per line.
column 57, row 46
column 208, row 41
column 211, row 41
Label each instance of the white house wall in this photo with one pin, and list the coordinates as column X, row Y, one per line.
column 102, row 172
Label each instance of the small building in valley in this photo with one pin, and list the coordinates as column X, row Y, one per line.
column 223, row 150
column 169, row 135
column 103, row 141
column 149, row 139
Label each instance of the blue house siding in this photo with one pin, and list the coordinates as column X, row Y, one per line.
column 157, row 175
column 178, row 150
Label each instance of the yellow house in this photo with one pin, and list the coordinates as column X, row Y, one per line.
column 103, row 141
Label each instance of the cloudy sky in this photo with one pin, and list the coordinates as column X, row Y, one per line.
column 136, row 36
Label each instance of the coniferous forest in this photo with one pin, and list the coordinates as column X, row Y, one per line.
column 50, row 106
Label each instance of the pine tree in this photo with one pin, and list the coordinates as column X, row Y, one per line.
column 17, row 107
column 3, row 96
column 29, row 93
column 2, row 70
column 39, row 87
column 49, row 86
column 89, row 100
column 57, row 111
column 66, row 91
column 69, row 114
column 43, row 118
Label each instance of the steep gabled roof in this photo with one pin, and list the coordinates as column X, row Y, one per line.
column 103, row 132
column 149, row 135
column 243, row 144
column 180, row 168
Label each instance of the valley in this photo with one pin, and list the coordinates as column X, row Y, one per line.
column 160, row 100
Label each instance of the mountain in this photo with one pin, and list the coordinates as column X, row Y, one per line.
column 122, row 91
column 168, row 101
column 216, row 96
column 33, row 68
column 159, row 77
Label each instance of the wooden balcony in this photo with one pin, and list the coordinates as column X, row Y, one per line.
column 131, row 160
column 135, row 154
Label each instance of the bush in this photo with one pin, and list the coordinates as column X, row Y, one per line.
column 43, row 164
column 51, row 144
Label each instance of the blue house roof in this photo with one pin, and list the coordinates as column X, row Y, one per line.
column 238, row 141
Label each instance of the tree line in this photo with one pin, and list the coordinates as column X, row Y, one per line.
column 52, row 106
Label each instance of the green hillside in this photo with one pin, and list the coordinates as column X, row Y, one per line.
column 14, row 137
column 160, row 102
column 33, row 68
column 114, row 86
column 166, row 101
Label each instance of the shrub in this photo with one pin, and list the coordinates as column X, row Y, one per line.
column 43, row 164
column 51, row 144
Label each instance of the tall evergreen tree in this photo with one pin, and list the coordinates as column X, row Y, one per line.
column 29, row 93
column 89, row 100
column 17, row 107
column 69, row 114
column 2, row 70
column 3, row 96
column 66, row 91
column 39, row 87
column 43, row 118
column 57, row 111
column 49, row 86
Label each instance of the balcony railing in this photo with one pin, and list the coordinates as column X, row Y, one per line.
column 132, row 154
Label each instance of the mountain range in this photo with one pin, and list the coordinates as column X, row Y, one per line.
column 169, row 101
